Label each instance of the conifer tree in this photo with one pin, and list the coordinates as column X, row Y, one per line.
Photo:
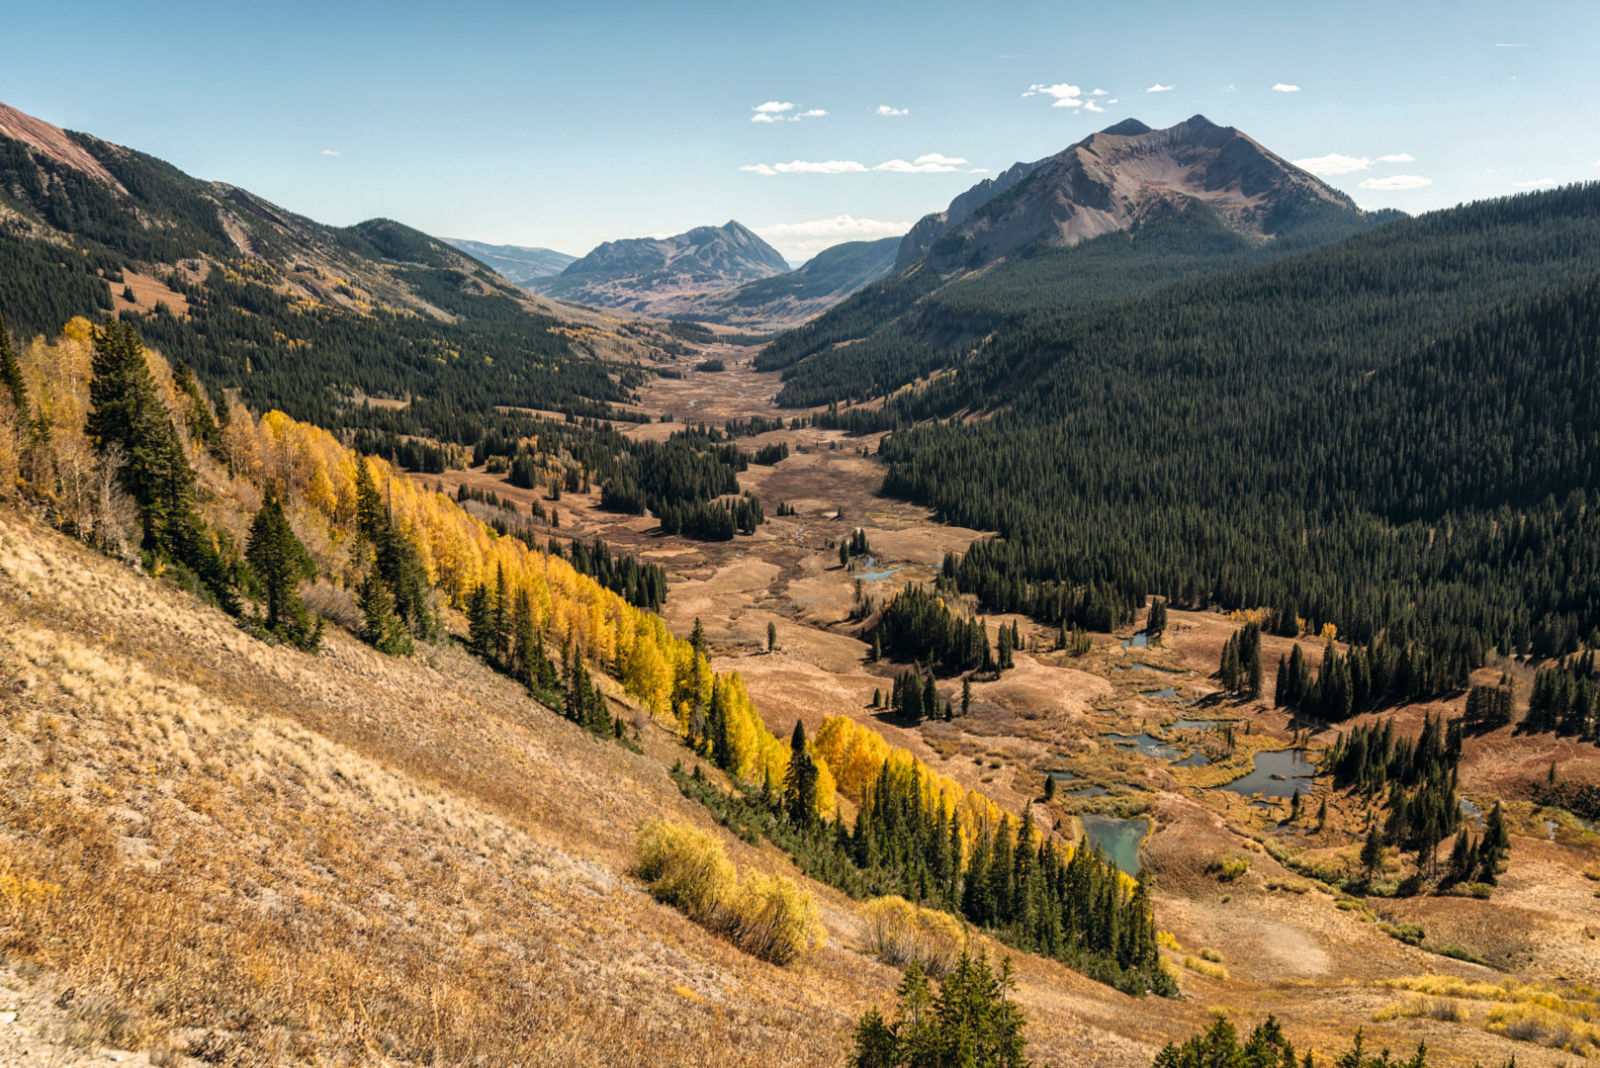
column 382, row 628
column 800, row 780
column 772, row 636
column 11, row 372
column 280, row 562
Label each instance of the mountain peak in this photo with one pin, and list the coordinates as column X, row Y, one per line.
column 638, row 273
column 1127, row 128
column 1113, row 179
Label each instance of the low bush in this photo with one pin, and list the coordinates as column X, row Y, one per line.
column 1544, row 1027
column 1417, row 1006
column 1205, row 967
column 1228, row 867
column 900, row 933
column 767, row 916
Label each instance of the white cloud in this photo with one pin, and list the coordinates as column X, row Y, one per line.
column 1285, row 87
column 1113, row 100
column 1090, row 105
column 802, row 240
column 814, row 113
column 1536, row 183
column 1159, row 88
column 1098, row 92
column 771, row 111
column 1398, row 157
column 1065, row 96
column 929, row 163
column 827, row 166
column 891, row 112
column 330, row 152
column 1397, row 181
column 1333, row 163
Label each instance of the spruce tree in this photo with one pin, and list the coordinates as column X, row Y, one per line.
column 11, row 372
column 382, row 628
column 280, row 562
column 800, row 781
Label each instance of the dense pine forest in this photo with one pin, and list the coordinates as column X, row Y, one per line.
column 1391, row 432
column 911, row 324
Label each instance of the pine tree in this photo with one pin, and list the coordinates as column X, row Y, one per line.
column 966, row 694
column 800, row 780
column 383, row 629
column 11, row 372
column 772, row 636
column 1372, row 851
column 1156, row 624
column 1049, row 787
column 280, row 562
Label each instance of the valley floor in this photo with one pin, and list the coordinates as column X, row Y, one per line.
column 231, row 852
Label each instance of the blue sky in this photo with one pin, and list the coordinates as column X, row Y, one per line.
column 567, row 125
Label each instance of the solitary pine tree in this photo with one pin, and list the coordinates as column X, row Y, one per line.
column 280, row 562
column 800, row 781
column 772, row 636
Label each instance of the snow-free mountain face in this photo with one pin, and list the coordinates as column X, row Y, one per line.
column 519, row 264
column 1114, row 179
column 640, row 274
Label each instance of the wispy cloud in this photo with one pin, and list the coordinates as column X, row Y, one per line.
column 1098, row 92
column 1285, row 87
column 928, row 163
column 1090, row 105
column 1063, row 95
column 802, row 240
column 891, row 112
column 1536, row 183
column 1397, row 182
column 330, row 152
column 1159, row 88
column 1397, row 157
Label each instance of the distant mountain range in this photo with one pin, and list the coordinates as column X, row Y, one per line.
column 518, row 264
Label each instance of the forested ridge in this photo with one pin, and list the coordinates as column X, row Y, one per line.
column 1389, row 430
column 396, row 314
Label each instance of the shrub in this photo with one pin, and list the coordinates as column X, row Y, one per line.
column 767, row 916
column 685, row 868
column 1410, row 933
column 1456, row 953
column 1544, row 1027
column 1228, row 867
column 1167, row 940
column 772, row 918
column 1205, row 967
column 1211, row 955
column 1417, row 1006
column 899, row 933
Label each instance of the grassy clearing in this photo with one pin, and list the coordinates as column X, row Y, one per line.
column 1206, row 967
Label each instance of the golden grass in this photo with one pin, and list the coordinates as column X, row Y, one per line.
column 1556, row 1015
column 1416, row 1006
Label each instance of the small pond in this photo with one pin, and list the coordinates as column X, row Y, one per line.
column 1195, row 759
column 1088, row 791
column 1143, row 743
column 1118, row 839
column 1194, row 724
column 1140, row 640
column 1472, row 811
column 1274, row 774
